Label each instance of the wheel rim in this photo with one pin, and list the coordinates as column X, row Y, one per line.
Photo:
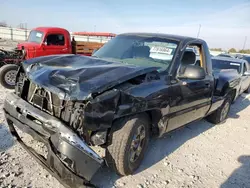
column 10, row 77
column 224, row 111
column 137, row 143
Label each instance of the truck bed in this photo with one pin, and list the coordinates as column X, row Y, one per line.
column 85, row 48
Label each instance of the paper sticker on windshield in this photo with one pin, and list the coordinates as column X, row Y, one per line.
column 39, row 35
column 160, row 49
column 235, row 64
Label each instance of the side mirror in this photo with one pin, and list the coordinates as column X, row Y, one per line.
column 191, row 72
column 247, row 73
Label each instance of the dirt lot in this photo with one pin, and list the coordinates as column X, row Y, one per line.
column 200, row 155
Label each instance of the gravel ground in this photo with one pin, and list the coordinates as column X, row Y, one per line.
column 199, row 155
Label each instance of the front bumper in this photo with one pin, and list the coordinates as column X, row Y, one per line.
column 69, row 158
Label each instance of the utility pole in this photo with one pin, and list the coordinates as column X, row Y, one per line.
column 199, row 30
column 26, row 31
column 245, row 41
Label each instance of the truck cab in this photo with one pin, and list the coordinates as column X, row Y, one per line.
column 44, row 41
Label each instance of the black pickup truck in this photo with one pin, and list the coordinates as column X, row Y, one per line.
column 135, row 85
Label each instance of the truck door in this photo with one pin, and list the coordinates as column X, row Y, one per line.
column 190, row 99
column 54, row 44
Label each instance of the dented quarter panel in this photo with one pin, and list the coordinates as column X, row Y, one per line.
column 99, row 112
column 225, row 79
column 151, row 96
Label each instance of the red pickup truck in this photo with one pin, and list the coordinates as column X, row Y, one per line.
column 43, row 41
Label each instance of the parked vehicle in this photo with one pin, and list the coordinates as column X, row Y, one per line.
column 239, row 65
column 225, row 55
column 44, row 41
column 245, row 57
column 115, row 99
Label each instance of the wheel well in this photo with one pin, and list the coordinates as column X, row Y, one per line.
column 147, row 113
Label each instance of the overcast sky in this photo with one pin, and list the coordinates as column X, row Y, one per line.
column 224, row 23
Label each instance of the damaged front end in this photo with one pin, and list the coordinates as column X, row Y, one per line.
column 69, row 103
column 69, row 157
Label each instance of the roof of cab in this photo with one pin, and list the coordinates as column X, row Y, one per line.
column 161, row 35
column 46, row 29
column 236, row 60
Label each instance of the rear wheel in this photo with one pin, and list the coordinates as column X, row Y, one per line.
column 129, row 139
column 221, row 113
column 8, row 76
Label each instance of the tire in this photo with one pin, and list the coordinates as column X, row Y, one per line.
column 8, row 76
column 119, row 152
column 221, row 113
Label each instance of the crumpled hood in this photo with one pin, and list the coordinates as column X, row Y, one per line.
column 75, row 77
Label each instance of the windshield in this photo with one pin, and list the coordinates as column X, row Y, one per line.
column 141, row 51
column 35, row 36
column 225, row 64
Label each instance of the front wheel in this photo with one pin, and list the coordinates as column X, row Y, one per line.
column 221, row 113
column 128, row 143
column 8, row 76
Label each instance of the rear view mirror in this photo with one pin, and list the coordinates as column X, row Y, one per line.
column 191, row 72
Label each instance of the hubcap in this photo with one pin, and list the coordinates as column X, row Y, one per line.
column 137, row 143
column 224, row 111
column 10, row 77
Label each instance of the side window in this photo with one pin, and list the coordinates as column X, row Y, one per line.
column 192, row 56
column 55, row 40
